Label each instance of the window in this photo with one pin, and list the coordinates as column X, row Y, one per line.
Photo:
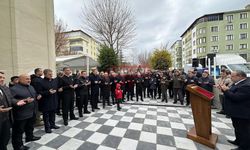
column 229, row 47
column 193, row 43
column 243, row 26
column 194, row 34
column 202, row 30
column 229, row 27
column 76, row 48
column 243, row 15
column 214, row 29
column 193, row 51
column 243, row 46
column 204, row 49
column 214, row 47
column 229, row 37
column 243, row 36
column 230, row 18
column 201, row 40
column 214, row 38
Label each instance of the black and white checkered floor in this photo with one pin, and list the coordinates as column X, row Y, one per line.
column 140, row 127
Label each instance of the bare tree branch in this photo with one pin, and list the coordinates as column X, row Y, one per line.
column 60, row 37
column 111, row 22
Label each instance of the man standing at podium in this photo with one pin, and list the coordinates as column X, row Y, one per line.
column 237, row 106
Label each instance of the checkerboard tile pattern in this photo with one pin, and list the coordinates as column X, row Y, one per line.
column 138, row 127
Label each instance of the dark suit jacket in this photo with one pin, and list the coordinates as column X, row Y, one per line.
column 237, row 100
column 20, row 92
column 49, row 101
column 10, row 101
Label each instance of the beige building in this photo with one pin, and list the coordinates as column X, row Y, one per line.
column 176, row 54
column 218, row 33
column 80, row 43
column 27, row 36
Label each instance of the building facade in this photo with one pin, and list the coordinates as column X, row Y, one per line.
column 223, row 33
column 80, row 43
column 27, row 38
column 176, row 53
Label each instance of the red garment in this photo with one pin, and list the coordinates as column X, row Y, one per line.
column 118, row 91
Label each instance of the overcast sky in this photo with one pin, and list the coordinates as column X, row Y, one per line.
column 157, row 21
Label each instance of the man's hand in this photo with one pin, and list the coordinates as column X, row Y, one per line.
column 29, row 100
column 60, row 89
column 2, row 109
column 75, row 86
column 52, row 91
column 21, row 103
column 224, row 88
column 71, row 86
column 39, row 97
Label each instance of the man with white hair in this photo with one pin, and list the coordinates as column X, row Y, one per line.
column 24, row 114
column 237, row 106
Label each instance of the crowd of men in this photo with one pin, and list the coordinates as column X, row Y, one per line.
column 30, row 96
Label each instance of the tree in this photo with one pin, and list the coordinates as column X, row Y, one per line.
column 144, row 58
column 111, row 22
column 60, row 37
column 107, row 59
column 161, row 59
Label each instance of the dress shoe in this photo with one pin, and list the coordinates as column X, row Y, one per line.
column 109, row 105
column 221, row 112
column 24, row 147
column 237, row 149
column 54, row 127
column 97, row 108
column 74, row 118
column 174, row 102
column 59, row 114
column 34, row 138
column 80, row 115
column 233, row 142
column 48, row 131
column 87, row 112
column 65, row 123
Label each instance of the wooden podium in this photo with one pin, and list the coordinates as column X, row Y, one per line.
column 201, row 107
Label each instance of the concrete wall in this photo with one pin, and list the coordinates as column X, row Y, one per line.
column 26, row 36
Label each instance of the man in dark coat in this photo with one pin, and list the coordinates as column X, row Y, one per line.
column 139, row 86
column 59, row 93
column 23, row 115
column 237, row 106
column 146, row 78
column 6, row 103
column 48, row 104
column 105, row 83
column 95, row 85
column 68, row 86
column 82, row 93
column 152, row 86
column 191, row 79
column 35, row 82
column 113, row 80
column 178, row 83
column 129, row 80
column 164, row 87
column 206, row 82
column 158, row 84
